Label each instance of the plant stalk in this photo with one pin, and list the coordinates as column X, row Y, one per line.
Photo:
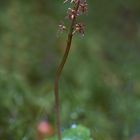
column 58, row 74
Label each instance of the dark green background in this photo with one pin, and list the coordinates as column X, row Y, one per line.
column 100, row 85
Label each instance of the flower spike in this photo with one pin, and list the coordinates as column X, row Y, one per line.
column 79, row 8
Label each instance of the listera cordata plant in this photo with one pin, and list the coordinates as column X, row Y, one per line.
column 77, row 8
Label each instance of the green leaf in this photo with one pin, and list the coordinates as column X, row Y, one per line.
column 77, row 133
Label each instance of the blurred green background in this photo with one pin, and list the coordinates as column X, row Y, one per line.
column 100, row 84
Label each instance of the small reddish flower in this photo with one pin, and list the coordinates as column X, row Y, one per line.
column 75, row 1
column 79, row 28
column 83, row 7
column 62, row 27
column 71, row 13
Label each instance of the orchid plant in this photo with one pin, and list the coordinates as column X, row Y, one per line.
column 78, row 8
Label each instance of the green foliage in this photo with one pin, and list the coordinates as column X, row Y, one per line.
column 77, row 133
column 19, row 106
column 100, row 85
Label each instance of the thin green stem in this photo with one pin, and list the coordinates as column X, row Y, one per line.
column 58, row 74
